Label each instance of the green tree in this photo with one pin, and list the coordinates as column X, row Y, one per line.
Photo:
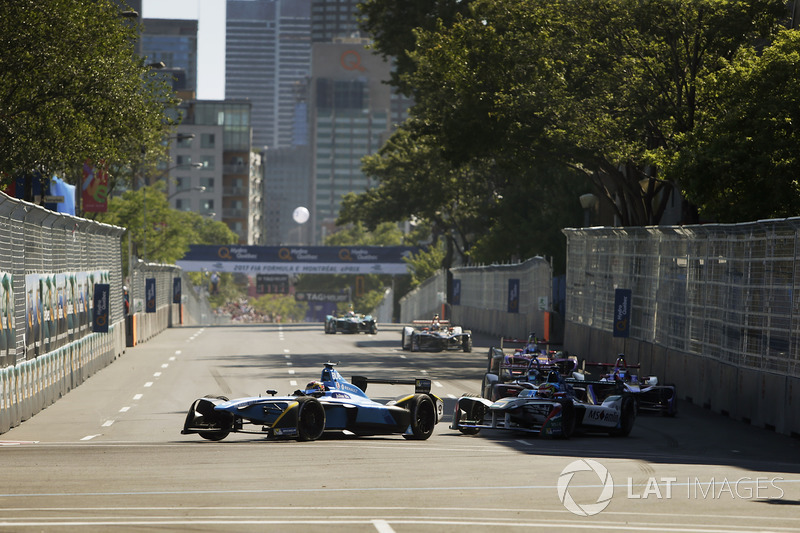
column 393, row 23
column 72, row 89
column 159, row 233
column 741, row 162
column 281, row 308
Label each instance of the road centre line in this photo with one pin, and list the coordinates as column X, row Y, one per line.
column 107, row 423
column 137, row 397
column 148, row 384
column 124, row 409
column 157, row 374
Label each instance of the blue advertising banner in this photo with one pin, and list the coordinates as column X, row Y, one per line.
column 622, row 312
column 100, row 318
column 150, row 295
column 297, row 259
column 513, row 296
column 456, row 292
column 176, row 290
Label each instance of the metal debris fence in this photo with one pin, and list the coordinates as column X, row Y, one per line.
column 722, row 292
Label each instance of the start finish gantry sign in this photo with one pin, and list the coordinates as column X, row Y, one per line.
column 297, row 259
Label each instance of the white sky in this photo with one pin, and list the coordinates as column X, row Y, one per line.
column 210, row 15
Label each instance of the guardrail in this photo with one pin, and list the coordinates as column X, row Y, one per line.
column 49, row 265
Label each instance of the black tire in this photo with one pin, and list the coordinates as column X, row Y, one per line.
column 674, row 411
column 414, row 342
column 403, row 339
column 310, row 419
column 467, row 343
column 568, row 419
column 373, row 329
column 221, row 419
column 626, row 419
column 333, row 328
column 476, row 414
column 423, row 417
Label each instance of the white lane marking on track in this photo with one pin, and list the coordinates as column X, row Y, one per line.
column 293, row 383
column 177, row 352
column 403, row 357
column 165, row 365
column 288, row 363
column 107, row 423
column 438, row 384
column 148, row 384
column 137, row 396
column 157, row 374
column 291, row 372
column 451, row 396
column 125, row 409
column 525, row 442
column 286, row 350
column 90, row 437
column 287, row 356
column 382, row 526
column 171, row 358
column 424, row 371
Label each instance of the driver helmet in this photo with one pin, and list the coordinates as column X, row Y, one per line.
column 316, row 386
column 546, row 390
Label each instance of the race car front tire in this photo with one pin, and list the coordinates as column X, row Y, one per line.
column 423, row 417
column 626, row 418
column 310, row 419
column 223, row 420
column 476, row 415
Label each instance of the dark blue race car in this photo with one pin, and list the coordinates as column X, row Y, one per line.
column 330, row 404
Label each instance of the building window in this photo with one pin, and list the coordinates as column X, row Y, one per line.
column 207, row 140
column 208, row 162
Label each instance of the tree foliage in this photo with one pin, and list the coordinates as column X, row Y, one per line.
column 521, row 106
column 71, row 89
column 159, row 233
column 741, row 162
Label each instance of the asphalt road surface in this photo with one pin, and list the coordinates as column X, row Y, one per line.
column 109, row 455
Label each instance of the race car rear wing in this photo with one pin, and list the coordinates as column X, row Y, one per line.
column 421, row 385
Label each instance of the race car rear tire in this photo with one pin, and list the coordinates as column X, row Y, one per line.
column 568, row 419
column 467, row 343
column 626, row 418
column 310, row 419
column 423, row 417
column 373, row 329
column 414, row 342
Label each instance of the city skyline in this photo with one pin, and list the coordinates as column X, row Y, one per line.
column 210, row 16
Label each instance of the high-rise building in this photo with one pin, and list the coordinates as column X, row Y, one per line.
column 334, row 19
column 174, row 43
column 267, row 55
column 350, row 118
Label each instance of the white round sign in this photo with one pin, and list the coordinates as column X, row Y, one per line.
column 300, row 215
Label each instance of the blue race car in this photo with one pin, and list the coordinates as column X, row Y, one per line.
column 330, row 404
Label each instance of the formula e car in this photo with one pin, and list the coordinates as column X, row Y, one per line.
column 435, row 336
column 330, row 404
column 649, row 395
column 555, row 408
column 505, row 369
column 351, row 323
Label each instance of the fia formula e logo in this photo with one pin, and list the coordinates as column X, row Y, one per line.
column 587, row 509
